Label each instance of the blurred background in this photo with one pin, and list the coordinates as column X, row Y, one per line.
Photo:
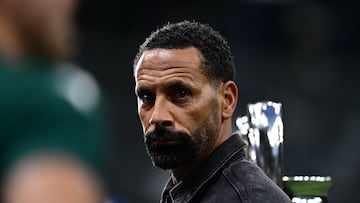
column 304, row 55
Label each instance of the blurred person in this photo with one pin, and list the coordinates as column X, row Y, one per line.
column 51, row 179
column 46, row 106
column 36, row 29
column 184, row 75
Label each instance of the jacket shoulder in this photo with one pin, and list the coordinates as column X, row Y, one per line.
column 252, row 184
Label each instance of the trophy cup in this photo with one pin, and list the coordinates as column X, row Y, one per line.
column 262, row 130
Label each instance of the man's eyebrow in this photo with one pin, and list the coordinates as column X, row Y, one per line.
column 178, row 84
column 141, row 89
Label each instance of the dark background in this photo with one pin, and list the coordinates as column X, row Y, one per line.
column 304, row 55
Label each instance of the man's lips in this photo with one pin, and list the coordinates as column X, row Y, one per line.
column 164, row 141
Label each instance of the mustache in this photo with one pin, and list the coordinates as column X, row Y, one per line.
column 165, row 134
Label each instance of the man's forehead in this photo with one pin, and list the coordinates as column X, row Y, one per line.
column 164, row 59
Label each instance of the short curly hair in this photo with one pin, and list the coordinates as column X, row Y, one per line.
column 218, row 64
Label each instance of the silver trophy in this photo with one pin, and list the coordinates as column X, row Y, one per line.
column 262, row 129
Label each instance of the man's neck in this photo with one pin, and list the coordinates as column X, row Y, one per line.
column 179, row 174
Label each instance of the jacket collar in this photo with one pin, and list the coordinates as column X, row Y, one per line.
column 231, row 149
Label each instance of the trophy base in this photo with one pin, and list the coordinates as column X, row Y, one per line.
column 307, row 189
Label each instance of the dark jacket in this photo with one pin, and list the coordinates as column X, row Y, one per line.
column 225, row 177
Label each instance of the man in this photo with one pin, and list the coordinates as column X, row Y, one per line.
column 51, row 149
column 184, row 76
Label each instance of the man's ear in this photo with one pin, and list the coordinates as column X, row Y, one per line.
column 230, row 97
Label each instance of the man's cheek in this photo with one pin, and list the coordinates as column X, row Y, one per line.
column 144, row 126
column 142, row 119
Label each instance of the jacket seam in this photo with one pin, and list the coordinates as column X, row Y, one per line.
column 213, row 174
column 239, row 194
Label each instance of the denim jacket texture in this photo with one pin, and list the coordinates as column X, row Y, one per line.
column 225, row 176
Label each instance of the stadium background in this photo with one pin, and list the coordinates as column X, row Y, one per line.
column 304, row 55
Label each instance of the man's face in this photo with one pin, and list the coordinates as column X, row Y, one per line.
column 45, row 26
column 177, row 105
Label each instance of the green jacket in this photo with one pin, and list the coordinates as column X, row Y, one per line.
column 33, row 117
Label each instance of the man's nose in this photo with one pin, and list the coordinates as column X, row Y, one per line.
column 161, row 115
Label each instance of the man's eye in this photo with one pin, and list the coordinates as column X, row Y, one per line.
column 182, row 93
column 146, row 98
